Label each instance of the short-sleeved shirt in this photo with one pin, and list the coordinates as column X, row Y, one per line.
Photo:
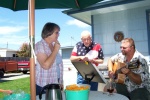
column 44, row 77
column 142, row 71
column 94, row 51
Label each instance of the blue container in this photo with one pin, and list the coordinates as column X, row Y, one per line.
column 17, row 97
column 77, row 94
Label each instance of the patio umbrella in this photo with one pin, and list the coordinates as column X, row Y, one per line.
column 17, row 5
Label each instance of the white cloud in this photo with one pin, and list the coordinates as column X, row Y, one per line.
column 77, row 23
column 12, row 33
column 8, row 26
column 11, row 29
column 13, row 41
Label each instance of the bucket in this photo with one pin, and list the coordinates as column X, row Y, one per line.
column 17, row 97
column 77, row 94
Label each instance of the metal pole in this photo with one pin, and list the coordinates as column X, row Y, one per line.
column 32, row 42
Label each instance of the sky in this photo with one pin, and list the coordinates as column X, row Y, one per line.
column 14, row 27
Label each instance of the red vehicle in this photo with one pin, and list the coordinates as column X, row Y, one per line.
column 24, row 66
column 17, row 64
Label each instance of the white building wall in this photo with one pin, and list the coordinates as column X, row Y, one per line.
column 10, row 53
column 131, row 22
column 69, row 73
column 3, row 53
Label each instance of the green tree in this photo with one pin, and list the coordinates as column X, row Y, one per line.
column 24, row 50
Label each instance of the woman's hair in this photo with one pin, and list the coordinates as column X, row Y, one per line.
column 130, row 40
column 48, row 29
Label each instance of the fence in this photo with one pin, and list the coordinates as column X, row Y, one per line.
column 14, row 58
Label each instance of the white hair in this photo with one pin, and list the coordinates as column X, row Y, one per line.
column 85, row 33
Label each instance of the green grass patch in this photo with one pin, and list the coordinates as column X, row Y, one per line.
column 22, row 84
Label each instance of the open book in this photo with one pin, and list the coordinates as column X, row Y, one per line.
column 89, row 72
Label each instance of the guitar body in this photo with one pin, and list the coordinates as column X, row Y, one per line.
column 117, row 66
column 119, row 76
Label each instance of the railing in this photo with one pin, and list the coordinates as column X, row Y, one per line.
column 14, row 58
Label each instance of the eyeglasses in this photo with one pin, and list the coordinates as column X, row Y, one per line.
column 121, row 47
column 86, row 39
column 57, row 33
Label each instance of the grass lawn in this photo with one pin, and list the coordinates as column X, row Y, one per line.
column 16, row 85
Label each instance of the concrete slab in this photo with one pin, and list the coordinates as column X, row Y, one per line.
column 13, row 76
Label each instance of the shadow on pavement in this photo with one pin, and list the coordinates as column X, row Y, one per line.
column 12, row 76
column 1, row 81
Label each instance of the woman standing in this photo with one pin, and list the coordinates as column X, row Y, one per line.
column 46, row 51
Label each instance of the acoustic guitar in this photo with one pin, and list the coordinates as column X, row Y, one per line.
column 119, row 76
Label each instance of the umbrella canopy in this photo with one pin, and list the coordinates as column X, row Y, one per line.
column 16, row 5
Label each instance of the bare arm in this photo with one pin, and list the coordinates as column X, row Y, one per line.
column 78, row 58
column 47, row 61
column 84, row 58
column 136, row 78
column 75, row 58
column 6, row 91
column 98, row 61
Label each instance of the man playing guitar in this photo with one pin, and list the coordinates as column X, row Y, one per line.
column 136, row 85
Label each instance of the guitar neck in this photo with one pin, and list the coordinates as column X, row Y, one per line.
column 131, row 65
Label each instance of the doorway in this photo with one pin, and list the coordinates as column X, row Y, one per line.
column 148, row 28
